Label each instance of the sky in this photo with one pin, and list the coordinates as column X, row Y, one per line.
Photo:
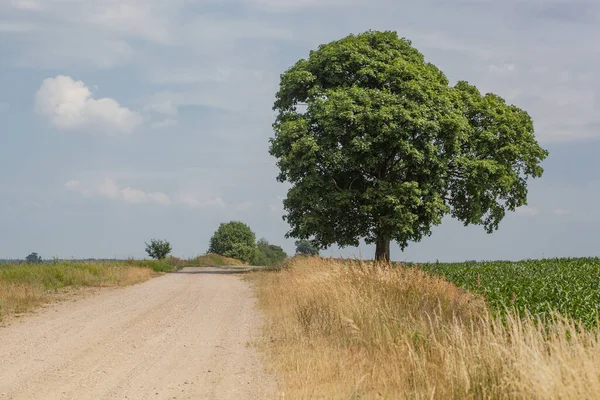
column 126, row 120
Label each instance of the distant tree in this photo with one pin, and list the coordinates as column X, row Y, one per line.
column 234, row 239
column 33, row 258
column 158, row 249
column 306, row 247
column 268, row 254
column 243, row 252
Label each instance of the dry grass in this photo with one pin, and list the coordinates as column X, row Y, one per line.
column 348, row 331
column 25, row 287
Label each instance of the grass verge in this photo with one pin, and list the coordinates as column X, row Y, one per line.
column 340, row 330
column 23, row 287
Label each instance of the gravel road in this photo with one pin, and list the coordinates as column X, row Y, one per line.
column 180, row 336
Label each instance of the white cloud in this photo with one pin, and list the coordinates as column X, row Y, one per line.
column 69, row 105
column 196, row 201
column 109, row 189
column 27, row 5
column 527, row 211
column 560, row 211
column 165, row 103
column 139, row 196
column 502, row 69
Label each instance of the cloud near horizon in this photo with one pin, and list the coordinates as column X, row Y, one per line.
column 109, row 189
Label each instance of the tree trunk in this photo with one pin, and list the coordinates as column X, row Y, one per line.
column 382, row 250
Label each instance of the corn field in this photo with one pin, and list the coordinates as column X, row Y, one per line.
column 539, row 287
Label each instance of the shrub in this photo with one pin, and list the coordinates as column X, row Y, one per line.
column 268, row 254
column 158, row 249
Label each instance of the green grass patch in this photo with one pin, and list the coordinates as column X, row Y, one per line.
column 170, row 264
column 24, row 287
column 213, row 260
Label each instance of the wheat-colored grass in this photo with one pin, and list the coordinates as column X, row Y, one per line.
column 24, row 287
column 349, row 330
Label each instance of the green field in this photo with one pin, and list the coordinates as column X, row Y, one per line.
column 570, row 286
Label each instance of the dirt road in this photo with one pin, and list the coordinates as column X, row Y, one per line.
column 179, row 336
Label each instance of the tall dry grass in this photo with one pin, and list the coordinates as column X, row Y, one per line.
column 24, row 287
column 348, row 331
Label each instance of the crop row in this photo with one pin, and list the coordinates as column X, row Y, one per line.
column 569, row 286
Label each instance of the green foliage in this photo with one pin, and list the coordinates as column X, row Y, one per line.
column 213, row 260
column 56, row 276
column 157, row 265
column 240, row 251
column 158, row 249
column 268, row 254
column 33, row 258
column 377, row 145
column 234, row 239
column 306, row 247
column 569, row 286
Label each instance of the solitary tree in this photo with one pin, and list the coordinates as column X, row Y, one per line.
column 378, row 146
column 158, row 249
column 234, row 239
column 306, row 247
column 33, row 258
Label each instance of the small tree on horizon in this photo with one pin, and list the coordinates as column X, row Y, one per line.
column 306, row 248
column 158, row 249
column 33, row 258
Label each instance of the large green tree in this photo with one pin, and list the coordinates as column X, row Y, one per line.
column 234, row 239
column 378, row 146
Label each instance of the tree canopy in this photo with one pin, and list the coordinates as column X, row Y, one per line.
column 158, row 249
column 33, row 258
column 306, row 247
column 234, row 239
column 379, row 146
column 268, row 254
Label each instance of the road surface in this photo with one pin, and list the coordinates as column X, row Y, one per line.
column 180, row 336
